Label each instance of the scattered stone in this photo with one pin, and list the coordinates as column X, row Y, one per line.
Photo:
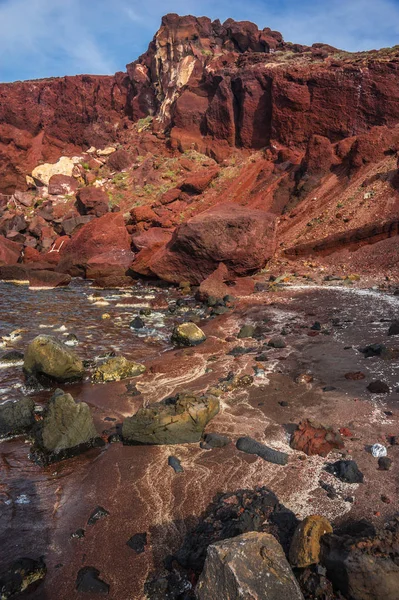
column 12, row 357
column 146, row 311
column 20, row 576
column 385, row 499
column 47, row 357
column 305, row 545
column 98, row 513
column 114, row 438
column 355, row 376
column 329, row 388
column 178, row 420
column 384, row 463
column 66, row 429
column 246, row 331
column 283, row 403
column 314, row 438
column 214, row 440
column 78, row 534
column 175, row 463
column 394, row 328
column 304, row 378
column 378, row 450
column 346, row 470
column 88, row 581
column 261, row 357
column 277, row 342
column 71, row 340
column 117, row 368
column 138, row 542
column 364, row 568
column 316, row 326
column 251, row 446
column 254, row 562
column 373, row 350
column 16, row 417
column 378, row 387
column 188, row 334
column 137, row 323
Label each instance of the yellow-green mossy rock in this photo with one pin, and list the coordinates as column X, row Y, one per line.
column 178, row 420
column 188, row 334
column 305, row 545
column 46, row 356
column 117, row 368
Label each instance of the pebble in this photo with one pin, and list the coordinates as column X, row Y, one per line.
column 378, row 450
column 175, row 463
column 138, row 542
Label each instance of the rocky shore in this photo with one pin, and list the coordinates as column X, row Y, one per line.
column 199, row 332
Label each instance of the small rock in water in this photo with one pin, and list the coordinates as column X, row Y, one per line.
column 262, row 357
column 48, row 357
column 394, row 328
column 384, row 463
column 71, row 340
column 138, row 542
column 137, row 323
column 316, row 326
column 12, row 356
column 117, row 368
column 378, row 387
column 188, row 334
column 355, row 376
column 78, row 534
column 251, row 446
column 346, row 470
column 214, row 440
column 277, row 342
column 88, row 581
column 97, row 514
column 16, row 417
column 20, row 575
column 145, row 311
column 246, row 331
column 378, row 450
column 329, row 388
column 175, row 463
column 373, row 350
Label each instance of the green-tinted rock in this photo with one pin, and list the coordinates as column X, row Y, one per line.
column 180, row 420
column 46, row 356
column 16, row 417
column 67, row 429
column 246, row 331
column 188, row 334
column 117, row 368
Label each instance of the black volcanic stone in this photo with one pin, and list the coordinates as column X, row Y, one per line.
column 88, row 581
column 138, row 542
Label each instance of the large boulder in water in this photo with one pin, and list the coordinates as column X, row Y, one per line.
column 251, row 565
column 117, row 368
column 178, row 420
column 16, row 417
column 242, row 238
column 46, row 357
column 67, row 429
column 106, row 237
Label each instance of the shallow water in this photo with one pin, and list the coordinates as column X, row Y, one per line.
column 40, row 508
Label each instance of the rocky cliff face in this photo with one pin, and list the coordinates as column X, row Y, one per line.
column 210, row 87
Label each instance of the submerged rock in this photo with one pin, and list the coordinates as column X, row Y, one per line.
column 20, row 576
column 175, row 463
column 178, row 420
column 214, row 440
column 50, row 358
column 188, row 334
column 117, row 368
column 138, row 542
column 88, row 580
column 251, row 565
column 313, row 438
column 305, row 545
column 67, row 429
column 16, row 417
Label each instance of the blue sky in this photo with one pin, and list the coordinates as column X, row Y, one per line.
column 45, row 38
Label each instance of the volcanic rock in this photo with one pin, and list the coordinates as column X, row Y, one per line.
column 46, row 356
column 378, row 387
column 178, row 420
column 88, row 580
column 92, row 201
column 305, row 545
column 188, row 334
column 346, row 470
column 62, row 185
column 67, row 429
column 254, row 562
column 214, row 440
column 115, row 369
column 251, row 446
column 242, row 238
column 138, row 542
column 394, row 328
column 16, row 417
column 47, row 279
column 9, row 251
column 313, row 438
column 20, row 576
column 119, row 160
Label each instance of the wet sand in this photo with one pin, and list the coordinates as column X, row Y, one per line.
column 40, row 508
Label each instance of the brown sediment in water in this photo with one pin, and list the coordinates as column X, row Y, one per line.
column 143, row 493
